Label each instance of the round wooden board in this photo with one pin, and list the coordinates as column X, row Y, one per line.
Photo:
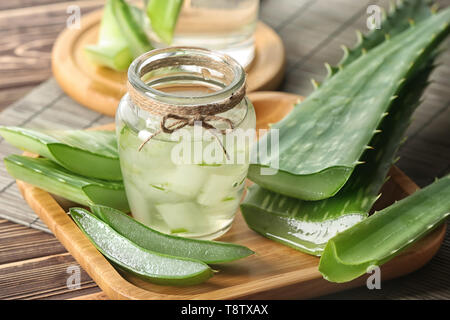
column 101, row 88
column 275, row 272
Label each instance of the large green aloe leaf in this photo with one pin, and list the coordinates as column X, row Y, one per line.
column 402, row 14
column 308, row 225
column 321, row 142
column 386, row 233
column 88, row 153
column 51, row 177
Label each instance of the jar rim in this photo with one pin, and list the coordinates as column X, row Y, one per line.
column 138, row 68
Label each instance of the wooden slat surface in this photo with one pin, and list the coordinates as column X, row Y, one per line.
column 28, row 29
column 33, row 264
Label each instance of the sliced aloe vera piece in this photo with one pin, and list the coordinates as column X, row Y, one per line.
column 155, row 267
column 143, row 236
column 53, row 178
column 112, row 49
column 129, row 24
column 89, row 153
column 386, row 233
column 163, row 16
column 114, row 56
column 308, row 225
column 322, row 140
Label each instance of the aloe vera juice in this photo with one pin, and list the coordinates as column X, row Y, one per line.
column 191, row 196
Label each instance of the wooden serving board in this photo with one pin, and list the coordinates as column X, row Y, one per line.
column 274, row 272
column 101, row 88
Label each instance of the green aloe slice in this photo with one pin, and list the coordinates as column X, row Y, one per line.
column 51, row 177
column 130, row 24
column 155, row 267
column 163, row 16
column 308, row 225
column 88, row 153
column 145, row 237
column 386, row 233
column 322, row 140
column 112, row 49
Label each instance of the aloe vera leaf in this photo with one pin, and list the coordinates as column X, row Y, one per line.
column 88, row 153
column 112, row 48
column 155, row 267
column 130, row 27
column 308, row 225
column 163, row 16
column 321, row 141
column 51, row 177
column 145, row 237
column 386, row 233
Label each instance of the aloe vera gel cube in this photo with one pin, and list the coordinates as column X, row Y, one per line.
column 180, row 173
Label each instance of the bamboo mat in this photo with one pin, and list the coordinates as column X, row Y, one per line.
column 313, row 32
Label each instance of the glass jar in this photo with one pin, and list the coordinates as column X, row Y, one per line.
column 225, row 26
column 184, row 170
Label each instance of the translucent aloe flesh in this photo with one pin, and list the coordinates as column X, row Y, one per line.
column 152, row 266
column 88, row 153
column 51, row 177
column 143, row 236
column 112, row 49
column 386, row 233
column 163, row 16
column 308, row 225
column 322, row 140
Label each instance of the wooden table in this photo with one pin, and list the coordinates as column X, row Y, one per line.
column 34, row 265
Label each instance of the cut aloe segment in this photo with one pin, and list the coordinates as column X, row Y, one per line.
column 386, row 233
column 114, row 56
column 152, row 266
column 112, row 49
column 51, row 177
column 163, row 16
column 89, row 153
column 129, row 24
column 217, row 188
column 308, row 225
column 143, row 236
column 183, row 215
column 322, row 140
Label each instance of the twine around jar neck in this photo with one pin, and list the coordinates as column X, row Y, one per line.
column 192, row 114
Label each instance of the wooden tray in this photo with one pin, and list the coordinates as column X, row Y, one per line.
column 275, row 272
column 100, row 88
